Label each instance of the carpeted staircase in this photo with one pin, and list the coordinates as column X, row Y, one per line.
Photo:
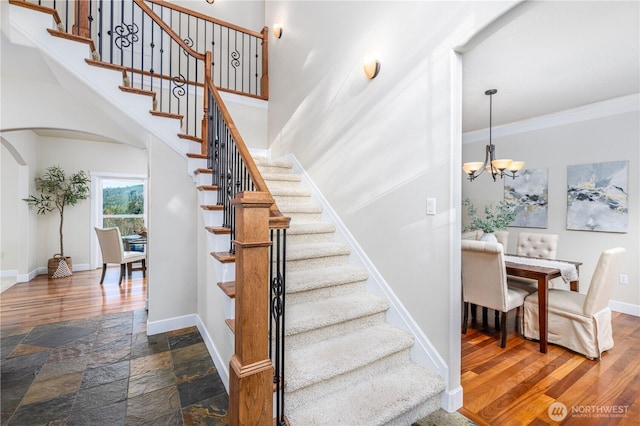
column 345, row 365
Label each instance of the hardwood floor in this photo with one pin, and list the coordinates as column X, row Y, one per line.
column 517, row 384
column 45, row 301
column 510, row 386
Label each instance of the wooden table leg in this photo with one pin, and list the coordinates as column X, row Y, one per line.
column 574, row 286
column 543, row 287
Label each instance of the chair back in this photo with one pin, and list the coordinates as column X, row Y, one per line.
column 503, row 238
column 110, row 244
column 484, row 274
column 604, row 278
column 531, row 244
column 472, row 235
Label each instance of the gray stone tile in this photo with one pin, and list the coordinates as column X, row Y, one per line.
column 105, row 374
column 106, row 415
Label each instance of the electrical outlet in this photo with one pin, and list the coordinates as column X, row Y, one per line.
column 624, row 279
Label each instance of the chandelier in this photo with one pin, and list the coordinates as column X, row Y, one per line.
column 501, row 167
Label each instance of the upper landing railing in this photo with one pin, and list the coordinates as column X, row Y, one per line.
column 128, row 33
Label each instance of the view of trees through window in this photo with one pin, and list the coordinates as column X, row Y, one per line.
column 123, row 206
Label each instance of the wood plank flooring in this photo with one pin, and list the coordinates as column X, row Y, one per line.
column 516, row 385
column 45, row 301
column 510, row 386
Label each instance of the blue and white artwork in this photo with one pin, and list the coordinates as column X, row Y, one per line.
column 597, row 196
column 529, row 191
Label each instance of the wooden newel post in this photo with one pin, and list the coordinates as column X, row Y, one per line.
column 251, row 370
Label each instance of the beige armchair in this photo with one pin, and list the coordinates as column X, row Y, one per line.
column 484, row 282
column 112, row 252
column 577, row 321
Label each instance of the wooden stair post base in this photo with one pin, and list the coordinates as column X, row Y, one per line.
column 251, row 370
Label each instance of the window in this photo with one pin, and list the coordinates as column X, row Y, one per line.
column 118, row 200
column 123, row 205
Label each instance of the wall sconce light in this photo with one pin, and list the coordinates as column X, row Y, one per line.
column 277, row 30
column 371, row 66
column 210, row 1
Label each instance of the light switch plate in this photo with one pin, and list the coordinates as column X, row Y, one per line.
column 431, row 206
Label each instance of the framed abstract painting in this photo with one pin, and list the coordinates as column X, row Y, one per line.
column 597, row 196
column 529, row 192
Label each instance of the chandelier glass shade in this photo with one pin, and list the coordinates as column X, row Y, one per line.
column 497, row 167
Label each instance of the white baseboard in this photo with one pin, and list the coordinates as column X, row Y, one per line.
column 170, row 324
column 625, row 308
column 221, row 365
column 451, row 399
column 193, row 320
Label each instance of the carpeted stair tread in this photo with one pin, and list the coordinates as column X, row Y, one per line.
column 311, row 279
column 316, row 250
column 283, row 191
column 377, row 401
column 333, row 357
column 309, row 316
column 299, row 208
column 310, row 228
column 287, row 177
column 263, row 162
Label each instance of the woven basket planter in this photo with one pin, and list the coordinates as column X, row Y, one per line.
column 59, row 266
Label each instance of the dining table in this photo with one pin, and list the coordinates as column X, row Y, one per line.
column 543, row 271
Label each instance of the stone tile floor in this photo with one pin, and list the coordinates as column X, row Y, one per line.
column 106, row 371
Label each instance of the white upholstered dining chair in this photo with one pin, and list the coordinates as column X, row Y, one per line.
column 531, row 244
column 484, row 282
column 112, row 252
column 577, row 321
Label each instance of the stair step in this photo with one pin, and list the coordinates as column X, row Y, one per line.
column 327, row 312
column 310, row 232
column 218, row 230
column 293, row 194
column 263, row 162
column 224, row 256
column 214, row 207
column 316, row 255
column 202, row 170
column 381, row 400
column 300, row 212
column 190, row 137
column 207, row 188
column 276, row 177
column 196, row 156
column 229, row 288
column 138, row 91
column 329, row 358
column 166, row 115
column 73, row 37
column 312, row 279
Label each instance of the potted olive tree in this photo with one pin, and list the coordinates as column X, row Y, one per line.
column 58, row 190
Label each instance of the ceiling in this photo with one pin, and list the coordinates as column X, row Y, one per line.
column 548, row 56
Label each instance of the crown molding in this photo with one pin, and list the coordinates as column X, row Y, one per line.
column 593, row 111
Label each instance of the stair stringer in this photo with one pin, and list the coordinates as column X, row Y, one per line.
column 422, row 352
column 66, row 59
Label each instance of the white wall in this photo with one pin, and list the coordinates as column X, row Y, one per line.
column 378, row 148
column 172, row 236
column 588, row 135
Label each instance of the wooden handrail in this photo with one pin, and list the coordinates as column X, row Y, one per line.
column 207, row 18
column 167, row 29
column 276, row 219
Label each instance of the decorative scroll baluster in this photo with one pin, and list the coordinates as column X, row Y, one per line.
column 277, row 297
